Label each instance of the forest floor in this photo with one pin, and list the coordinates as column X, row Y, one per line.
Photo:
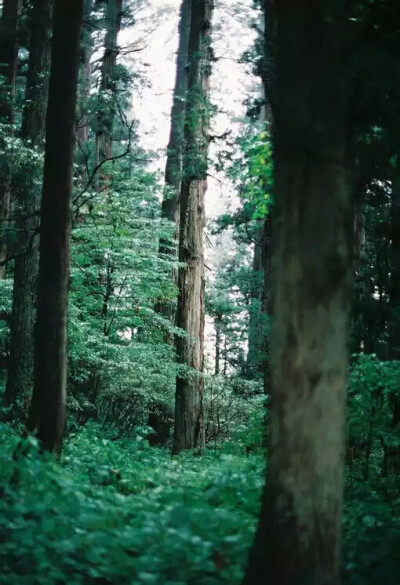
column 121, row 512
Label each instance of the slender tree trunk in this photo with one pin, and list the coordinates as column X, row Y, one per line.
column 298, row 538
column 8, row 73
column 105, row 115
column 20, row 370
column 189, row 427
column 225, row 355
column 217, row 325
column 85, row 74
column 394, row 298
column 47, row 415
column 173, row 169
column 255, row 332
column 267, row 78
column 267, row 298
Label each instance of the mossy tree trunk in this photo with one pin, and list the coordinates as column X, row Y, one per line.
column 189, row 427
column 298, row 537
column 47, row 413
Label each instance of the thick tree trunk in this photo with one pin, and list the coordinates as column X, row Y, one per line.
column 47, row 415
column 298, row 538
column 189, row 427
column 173, row 169
column 8, row 73
column 20, row 370
column 105, row 115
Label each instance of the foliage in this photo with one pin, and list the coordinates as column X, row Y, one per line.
column 234, row 411
column 373, row 446
column 121, row 512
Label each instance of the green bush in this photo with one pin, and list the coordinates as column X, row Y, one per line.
column 122, row 512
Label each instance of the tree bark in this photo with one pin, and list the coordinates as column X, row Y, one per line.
column 85, row 74
column 105, row 115
column 255, row 329
column 20, row 370
column 8, row 72
column 47, row 414
column 298, row 537
column 173, row 169
column 189, row 427
column 394, row 297
column 217, row 326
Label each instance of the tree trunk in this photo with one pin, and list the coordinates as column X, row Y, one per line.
column 173, row 169
column 394, row 297
column 85, row 74
column 20, row 370
column 298, row 538
column 105, row 115
column 47, row 415
column 217, row 325
column 267, row 298
column 255, row 329
column 189, row 427
column 8, row 73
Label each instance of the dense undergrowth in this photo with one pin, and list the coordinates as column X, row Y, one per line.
column 119, row 512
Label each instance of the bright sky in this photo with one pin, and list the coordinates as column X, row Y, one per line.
column 231, row 84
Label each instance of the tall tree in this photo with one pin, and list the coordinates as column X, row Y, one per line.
column 8, row 74
column 47, row 414
column 255, row 334
column 188, row 430
column 20, row 368
column 173, row 168
column 105, row 115
column 298, row 538
column 85, row 74
column 394, row 296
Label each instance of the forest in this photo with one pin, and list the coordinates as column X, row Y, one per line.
column 199, row 292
